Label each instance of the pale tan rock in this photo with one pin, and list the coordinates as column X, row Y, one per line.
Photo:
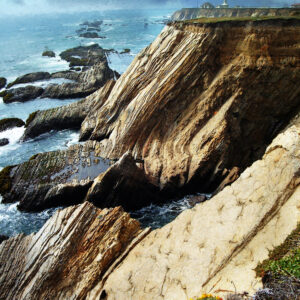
column 68, row 256
column 215, row 246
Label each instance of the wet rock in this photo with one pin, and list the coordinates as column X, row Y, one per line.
column 32, row 182
column 65, row 117
column 9, row 123
column 123, row 184
column 90, row 35
column 96, row 23
column 84, row 55
column 49, row 53
column 76, row 249
column 4, row 142
column 125, row 51
column 21, row 94
column 3, row 82
column 87, row 83
column 31, row 77
column 66, row 75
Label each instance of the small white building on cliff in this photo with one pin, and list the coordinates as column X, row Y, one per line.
column 224, row 5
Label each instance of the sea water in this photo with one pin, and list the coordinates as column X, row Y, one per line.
column 23, row 39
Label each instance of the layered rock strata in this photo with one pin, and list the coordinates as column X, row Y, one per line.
column 215, row 247
column 72, row 252
column 201, row 100
column 65, row 117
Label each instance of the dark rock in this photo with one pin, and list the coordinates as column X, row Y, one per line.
column 90, row 35
column 66, row 74
column 22, row 94
column 65, row 117
column 123, row 184
column 125, row 51
column 10, row 123
column 49, row 53
column 87, row 83
column 31, row 77
column 4, row 142
column 3, row 238
column 92, row 24
column 48, row 179
column 3, row 82
column 77, row 69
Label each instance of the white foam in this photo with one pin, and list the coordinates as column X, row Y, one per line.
column 13, row 135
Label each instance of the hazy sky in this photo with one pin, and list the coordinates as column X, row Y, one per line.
column 31, row 6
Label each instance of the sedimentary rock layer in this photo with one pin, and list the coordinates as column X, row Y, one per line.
column 202, row 99
column 215, row 246
column 65, row 117
column 193, row 13
column 68, row 256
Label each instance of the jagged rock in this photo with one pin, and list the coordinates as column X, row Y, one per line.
column 203, row 98
column 3, row 82
column 49, row 53
column 68, row 172
column 74, row 250
column 65, row 117
column 123, row 184
column 194, row 13
column 4, row 142
column 31, row 77
column 9, row 123
column 84, row 55
column 215, row 247
column 66, row 74
column 90, row 35
column 21, row 94
column 3, row 238
column 87, row 83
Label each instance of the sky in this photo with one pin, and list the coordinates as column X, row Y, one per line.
column 43, row 6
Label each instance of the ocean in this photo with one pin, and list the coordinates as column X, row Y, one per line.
column 23, row 39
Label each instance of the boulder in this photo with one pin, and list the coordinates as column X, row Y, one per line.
column 66, row 74
column 21, row 94
column 49, row 53
column 73, row 251
column 203, row 98
column 68, row 172
column 31, row 77
column 65, row 117
column 87, row 83
column 90, row 35
column 216, row 246
column 4, row 142
column 123, row 184
column 9, row 123
column 3, row 238
column 3, row 82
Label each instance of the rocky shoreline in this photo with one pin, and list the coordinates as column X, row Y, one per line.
column 208, row 107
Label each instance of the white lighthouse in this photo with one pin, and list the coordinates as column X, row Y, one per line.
column 224, row 5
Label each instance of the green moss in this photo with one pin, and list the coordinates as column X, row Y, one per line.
column 78, row 62
column 6, row 96
column 17, row 122
column 30, row 118
column 5, row 180
column 34, row 156
column 284, row 259
column 126, row 50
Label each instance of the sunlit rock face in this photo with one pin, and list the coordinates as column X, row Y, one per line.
column 201, row 100
column 71, row 253
column 215, row 247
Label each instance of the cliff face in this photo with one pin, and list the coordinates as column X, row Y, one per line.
column 202, row 99
column 194, row 13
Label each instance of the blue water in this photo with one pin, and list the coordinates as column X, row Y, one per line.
column 23, row 39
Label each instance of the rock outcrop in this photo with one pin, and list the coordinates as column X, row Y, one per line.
column 3, row 82
column 215, row 247
column 29, row 78
column 21, row 94
column 193, row 13
column 9, row 123
column 74, row 250
column 4, row 142
column 201, row 100
column 65, row 117
column 52, row 179
column 49, row 53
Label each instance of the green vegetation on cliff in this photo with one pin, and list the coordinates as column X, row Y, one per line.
column 5, row 180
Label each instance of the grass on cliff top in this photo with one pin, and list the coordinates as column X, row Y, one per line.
column 284, row 259
column 239, row 19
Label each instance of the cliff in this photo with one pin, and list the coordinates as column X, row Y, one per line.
column 194, row 13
